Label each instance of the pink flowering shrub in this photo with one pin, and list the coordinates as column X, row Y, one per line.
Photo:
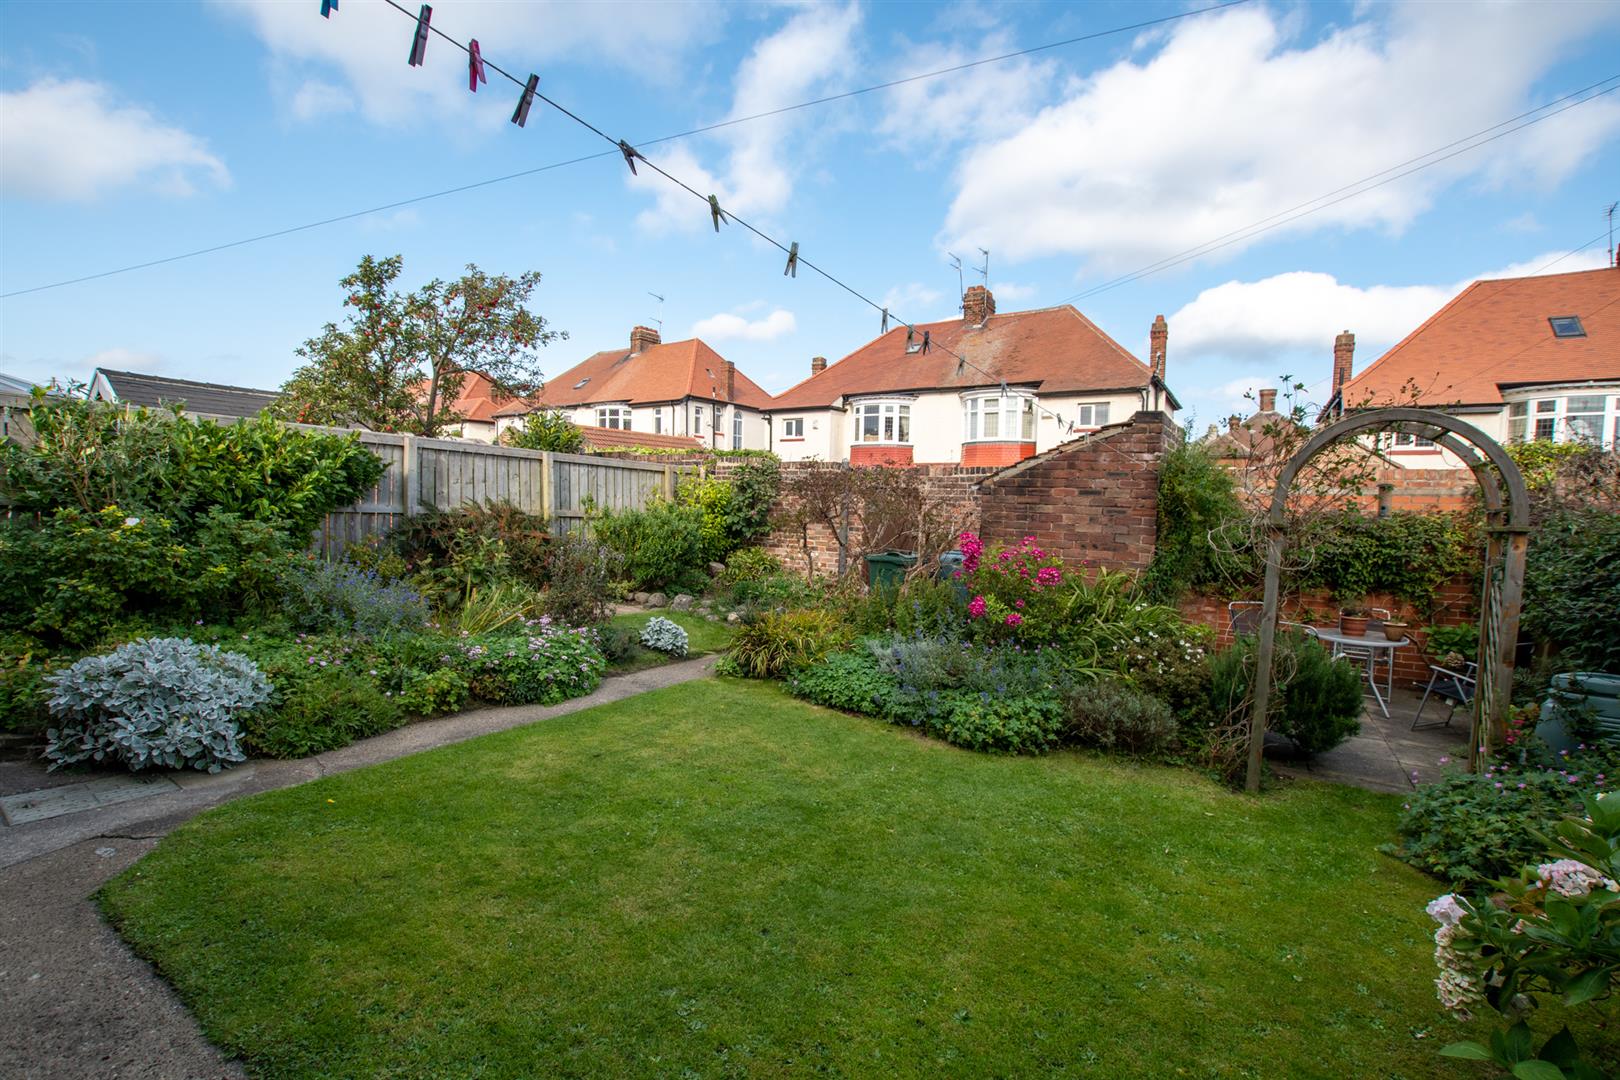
column 1017, row 592
column 1553, row 929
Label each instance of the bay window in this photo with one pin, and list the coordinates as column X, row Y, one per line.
column 1589, row 418
column 882, row 422
column 998, row 417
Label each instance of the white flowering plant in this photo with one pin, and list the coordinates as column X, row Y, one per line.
column 1552, row 929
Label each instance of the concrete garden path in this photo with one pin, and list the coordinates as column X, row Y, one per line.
column 74, row 1001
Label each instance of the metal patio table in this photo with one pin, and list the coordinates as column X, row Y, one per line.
column 1372, row 646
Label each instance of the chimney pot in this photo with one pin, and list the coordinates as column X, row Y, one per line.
column 818, row 364
column 1158, row 346
column 1232, row 424
column 1268, row 401
column 643, row 338
column 1344, row 354
column 978, row 304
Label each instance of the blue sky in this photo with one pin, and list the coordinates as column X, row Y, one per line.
column 132, row 131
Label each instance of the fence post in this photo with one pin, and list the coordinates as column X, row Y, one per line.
column 669, row 483
column 411, row 467
column 546, row 492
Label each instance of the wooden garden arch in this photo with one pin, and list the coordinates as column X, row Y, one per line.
column 1507, row 525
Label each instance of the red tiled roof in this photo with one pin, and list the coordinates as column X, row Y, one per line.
column 667, row 372
column 1496, row 334
column 1057, row 350
column 601, row 438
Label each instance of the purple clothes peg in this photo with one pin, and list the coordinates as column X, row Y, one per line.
column 520, row 115
column 475, row 66
column 419, row 42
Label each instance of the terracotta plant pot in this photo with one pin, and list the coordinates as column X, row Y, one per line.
column 1353, row 625
column 1394, row 631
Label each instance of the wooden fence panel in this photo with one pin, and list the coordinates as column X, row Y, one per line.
column 445, row 474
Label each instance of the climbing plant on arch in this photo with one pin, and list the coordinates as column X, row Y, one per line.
column 1507, row 523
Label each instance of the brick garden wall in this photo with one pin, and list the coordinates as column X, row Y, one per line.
column 1456, row 604
column 1092, row 500
column 1095, row 500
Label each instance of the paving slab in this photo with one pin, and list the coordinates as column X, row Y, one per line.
column 51, row 802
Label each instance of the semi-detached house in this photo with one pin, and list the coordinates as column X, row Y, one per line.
column 658, row 389
column 1025, row 382
column 1522, row 359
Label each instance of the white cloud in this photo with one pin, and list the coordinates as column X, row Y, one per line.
column 727, row 326
column 913, row 300
column 934, row 113
column 72, row 139
column 1302, row 311
column 1012, row 290
column 1230, row 120
column 792, row 64
column 360, row 52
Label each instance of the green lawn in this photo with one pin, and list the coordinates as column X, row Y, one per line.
column 704, row 636
column 717, row 880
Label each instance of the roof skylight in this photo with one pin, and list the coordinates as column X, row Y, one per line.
column 1567, row 326
column 582, row 382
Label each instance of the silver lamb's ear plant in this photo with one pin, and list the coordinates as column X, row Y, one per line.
column 156, row 702
column 665, row 636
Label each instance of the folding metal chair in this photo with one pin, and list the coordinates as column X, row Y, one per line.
column 1243, row 616
column 1455, row 688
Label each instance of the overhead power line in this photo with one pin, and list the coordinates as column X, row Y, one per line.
column 701, row 130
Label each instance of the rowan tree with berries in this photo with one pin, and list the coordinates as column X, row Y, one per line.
column 399, row 360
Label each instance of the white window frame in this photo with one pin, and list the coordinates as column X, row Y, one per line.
column 978, row 408
column 617, row 417
column 736, row 429
column 697, row 420
column 1091, row 415
column 793, row 427
column 892, row 421
column 1547, row 416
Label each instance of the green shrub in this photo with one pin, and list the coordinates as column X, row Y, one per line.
column 157, row 702
column 580, row 571
column 1315, row 699
column 434, row 693
column 90, row 455
column 921, row 606
column 1196, row 495
column 23, row 667
column 1021, row 724
column 1172, row 667
column 748, row 564
column 1445, row 640
column 619, row 644
column 538, row 665
column 852, row 681
column 325, row 712
column 71, row 575
column 1572, row 588
column 475, row 545
column 778, row 592
column 779, row 643
column 1112, row 715
column 660, row 546
column 546, row 429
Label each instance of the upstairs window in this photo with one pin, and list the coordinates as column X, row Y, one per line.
column 1567, row 326
column 613, row 416
column 1091, row 415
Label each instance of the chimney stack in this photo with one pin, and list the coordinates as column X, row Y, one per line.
column 818, row 364
column 643, row 338
column 1158, row 345
column 1232, row 425
column 978, row 304
column 731, row 381
column 1268, row 401
column 1344, row 353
